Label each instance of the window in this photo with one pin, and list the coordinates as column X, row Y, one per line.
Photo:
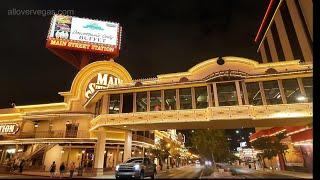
column 141, row 101
column 155, row 100
column 227, row 94
column 114, row 106
column 185, row 98
column 127, row 105
column 291, row 90
column 170, row 99
column 97, row 109
column 71, row 130
column 254, row 93
column 201, row 97
column 272, row 92
column 308, row 84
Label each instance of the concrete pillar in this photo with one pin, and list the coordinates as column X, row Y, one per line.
column 272, row 47
column 210, row 103
column 307, row 11
column 148, row 101
column 238, row 93
column 162, row 100
column 283, row 95
column 105, row 104
column 263, row 53
column 116, row 156
column 263, row 95
column 134, row 102
column 283, row 36
column 193, row 98
column 127, row 145
column 245, row 93
column 99, row 151
column 301, row 33
column 177, row 99
column 121, row 103
column 215, row 94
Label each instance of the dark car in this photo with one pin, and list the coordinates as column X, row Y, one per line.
column 137, row 167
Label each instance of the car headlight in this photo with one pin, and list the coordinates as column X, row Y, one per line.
column 137, row 167
column 117, row 167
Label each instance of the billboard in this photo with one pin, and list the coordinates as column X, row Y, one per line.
column 73, row 33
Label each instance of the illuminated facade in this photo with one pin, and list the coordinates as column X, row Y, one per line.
column 107, row 117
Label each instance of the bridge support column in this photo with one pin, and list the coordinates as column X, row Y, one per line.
column 127, row 145
column 99, row 151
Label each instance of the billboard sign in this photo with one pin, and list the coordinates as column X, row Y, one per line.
column 73, row 33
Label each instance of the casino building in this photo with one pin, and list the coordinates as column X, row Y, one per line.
column 107, row 117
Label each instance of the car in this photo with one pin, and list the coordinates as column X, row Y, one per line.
column 137, row 167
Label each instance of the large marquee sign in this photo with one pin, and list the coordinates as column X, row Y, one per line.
column 9, row 128
column 101, row 81
column 73, row 33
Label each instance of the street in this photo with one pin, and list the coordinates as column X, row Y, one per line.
column 256, row 174
column 186, row 172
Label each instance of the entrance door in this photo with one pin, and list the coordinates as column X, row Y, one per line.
column 71, row 130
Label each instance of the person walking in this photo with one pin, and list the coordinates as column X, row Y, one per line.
column 21, row 165
column 53, row 169
column 71, row 169
column 62, row 169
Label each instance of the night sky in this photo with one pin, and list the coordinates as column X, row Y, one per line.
column 158, row 37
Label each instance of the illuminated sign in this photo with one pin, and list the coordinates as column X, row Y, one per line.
column 101, row 81
column 10, row 128
column 82, row 34
column 243, row 144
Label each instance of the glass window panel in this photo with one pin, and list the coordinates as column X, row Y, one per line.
column 227, row 94
column 98, row 107
column 127, row 106
column 201, row 97
column 254, row 93
column 155, row 100
column 271, row 89
column 114, row 106
column 291, row 90
column 185, row 98
column 141, row 101
column 308, row 85
column 170, row 99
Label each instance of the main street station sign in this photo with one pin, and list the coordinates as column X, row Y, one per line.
column 101, row 81
column 9, row 128
column 81, row 34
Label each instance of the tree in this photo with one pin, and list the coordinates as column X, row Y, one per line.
column 211, row 144
column 161, row 151
column 271, row 147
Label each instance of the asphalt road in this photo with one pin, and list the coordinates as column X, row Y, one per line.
column 186, row 172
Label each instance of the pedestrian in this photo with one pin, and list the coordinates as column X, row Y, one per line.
column 72, row 168
column 52, row 169
column 62, row 169
column 21, row 165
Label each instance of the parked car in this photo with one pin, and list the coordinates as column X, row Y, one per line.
column 137, row 167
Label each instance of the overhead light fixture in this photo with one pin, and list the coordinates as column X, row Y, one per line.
column 301, row 98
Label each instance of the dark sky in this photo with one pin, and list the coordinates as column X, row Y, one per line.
column 158, row 37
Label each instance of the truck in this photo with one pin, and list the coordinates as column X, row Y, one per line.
column 137, row 168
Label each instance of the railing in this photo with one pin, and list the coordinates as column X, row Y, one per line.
column 55, row 134
column 136, row 137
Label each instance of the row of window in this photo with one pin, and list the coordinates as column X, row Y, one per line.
column 226, row 96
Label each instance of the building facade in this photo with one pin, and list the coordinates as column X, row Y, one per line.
column 107, row 117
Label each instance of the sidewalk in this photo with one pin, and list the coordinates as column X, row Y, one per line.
column 289, row 173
